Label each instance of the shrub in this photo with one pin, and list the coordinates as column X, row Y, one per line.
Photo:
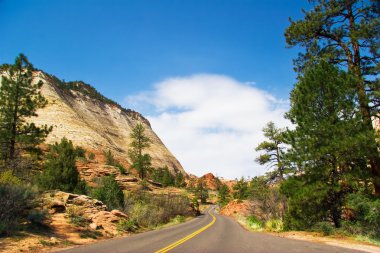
column 91, row 156
column 75, row 213
column 80, row 152
column 109, row 193
column 274, row 225
column 110, row 160
column 37, row 216
column 16, row 201
column 149, row 210
column 129, row 225
column 324, row 227
column 366, row 210
column 7, row 177
column 121, row 169
column 254, row 223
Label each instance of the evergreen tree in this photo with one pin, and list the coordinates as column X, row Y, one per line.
column 328, row 145
column 346, row 33
column 109, row 193
column 179, row 180
column 141, row 162
column 201, row 192
column 60, row 171
column 223, row 194
column 240, row 189
column 19, row 99
column 273, row 155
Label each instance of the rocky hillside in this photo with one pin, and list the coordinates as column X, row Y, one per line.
column 78, row 112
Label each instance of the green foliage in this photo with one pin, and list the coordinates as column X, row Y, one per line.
column 140, row 161
column 179, row 180
column 60, row 171
column 91, row 156
column 20, row 98
column 109, row 193
column 224, row 194
column 240, row 189
column 201, row 192
column 7, row 177
column 254, row 223
column 366, row 211
column 81, row 153
column 326, row 228
column 37, row 217
column 149, row 210
column 110, row 160
column 343, row 33
column 273, row 147
column 163, row 176
column 89, row 233
column 127, row 225
column 268, row 199
column 274, row 225
column 16, row 203
column 328, row 146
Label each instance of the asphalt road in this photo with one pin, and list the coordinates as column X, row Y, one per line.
column 208, row 233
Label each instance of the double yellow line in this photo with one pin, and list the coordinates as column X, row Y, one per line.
column 179, row 242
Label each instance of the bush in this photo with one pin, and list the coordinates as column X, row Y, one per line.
column 366, row 212
column 110, row 160
column 109, row 193
column 16, row 201
column 7, row 177
column 80, row 152
column 254, row 223
column 129, row 225
column 121, row 169
column 149, row 210
column 91, row 156
column 274, row 225
column 324, row 227
column 75, row 213
column 37, row 216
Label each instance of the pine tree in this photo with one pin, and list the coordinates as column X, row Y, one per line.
column 273, row 148
column 60, row 171
column 223, row 194
column 140, row 161
column 240, row 189
column 346, row 33
column 19, row 99
column 328, row 145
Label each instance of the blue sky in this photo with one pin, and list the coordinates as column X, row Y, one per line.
column 128, row 49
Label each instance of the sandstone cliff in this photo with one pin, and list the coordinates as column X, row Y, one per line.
column 78, row 112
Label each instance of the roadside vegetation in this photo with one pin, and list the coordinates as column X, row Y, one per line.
column 324, row 172
column 26, row 171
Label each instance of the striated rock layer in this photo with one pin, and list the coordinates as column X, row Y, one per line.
column 95, row 124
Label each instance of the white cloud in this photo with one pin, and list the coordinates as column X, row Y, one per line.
column 211, row 123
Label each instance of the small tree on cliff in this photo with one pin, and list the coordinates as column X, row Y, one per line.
column 19, row 99
column 140, row 161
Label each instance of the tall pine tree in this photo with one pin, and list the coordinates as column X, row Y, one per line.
column 346, row 33
column 140, row 161
column 328, row 146
column 20, row 98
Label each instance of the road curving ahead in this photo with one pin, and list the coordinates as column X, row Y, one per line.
column 208, row 233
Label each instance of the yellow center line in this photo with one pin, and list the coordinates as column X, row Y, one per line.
column 179, row 242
